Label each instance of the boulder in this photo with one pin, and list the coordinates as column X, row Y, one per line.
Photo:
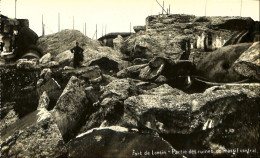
column 175, row 36
column 107, row 79
column 139, row 61
column 10, row 118
column 51, row 87
column 118, row 42
column 201, row 118
column 248, row 64
column 93, row 93
column 116, row 141
column 139, row 28
column 149, row 73
column 218, row 66
column 132, row 71
column 46, row 74
column 91, row 74
column 64, row 40
column 65, row 58
column 44, row 101
column 35, row 135
column 70, row 106
column 110, row 112
column 45, row 59
column 6, row 108
column 161, row 79
column 120, row 89
column 51, row 64
column 164, row 90
column 106, row 65
column 27, row 64
column 103, row 53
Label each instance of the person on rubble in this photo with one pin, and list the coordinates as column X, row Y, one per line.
column 78, row 55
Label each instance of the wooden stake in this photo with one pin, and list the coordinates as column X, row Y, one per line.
column 58, row 22
column 73, row 22
column 85, row 29
column 15, row 9
column 96, row 31
column 43, row 32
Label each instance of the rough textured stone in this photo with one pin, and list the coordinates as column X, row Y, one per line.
column 46, row 74
column 45, row 59
column 64, row 40
column 120, row 89
column 10, row 118
column 218, row 66
column 51, row 64
column 110, row 112
column 70, row 106
column 44, row 101
column 106, row 65
column 6, row 108
column 51, row 87
column 65, row 58
column 101, row 52
column 164, row 90
column 118, row 42
column 27, row 64
column 116, row 141
column 91, row 74
column 35, row 135
column 176, row 36
column 209, row 113
column 132, row 71
column 139, row 28
column 248, row 64
column 149, row 73
column 139, row 61
column 161, row 79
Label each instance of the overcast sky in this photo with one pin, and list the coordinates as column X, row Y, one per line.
column 116, row 14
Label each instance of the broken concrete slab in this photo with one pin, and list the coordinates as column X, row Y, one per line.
column 90, row 74
column 44, row 101
column 70, row 106
column 187, row 114
column 248, row 64
column 45, row 59
column 120, row 89
column 116, row 141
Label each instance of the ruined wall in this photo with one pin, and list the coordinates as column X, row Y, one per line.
column 208, row 33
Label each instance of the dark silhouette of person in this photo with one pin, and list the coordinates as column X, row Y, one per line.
column 78, row 55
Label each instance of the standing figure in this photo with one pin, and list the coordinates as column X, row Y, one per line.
column 78, row 55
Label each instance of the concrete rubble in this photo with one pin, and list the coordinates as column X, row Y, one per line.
column 180, row 86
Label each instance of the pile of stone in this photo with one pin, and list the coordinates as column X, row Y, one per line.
column 123, row 104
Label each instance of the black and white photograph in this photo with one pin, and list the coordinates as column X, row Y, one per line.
column 130, row 78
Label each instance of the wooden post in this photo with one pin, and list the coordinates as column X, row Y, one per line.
column 102, row 29
column 241, row 8
column 106, row 29
column 206, row 8
column 73, row 22
column 15, row 9
column 58, row 22
column 96, row 31
column 130, row 28
column 43, row 32
column 163, row 7
column 85, row 29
